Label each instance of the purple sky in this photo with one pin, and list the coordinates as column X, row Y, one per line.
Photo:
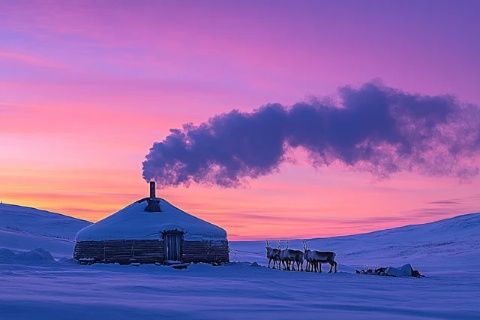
column 86, row 87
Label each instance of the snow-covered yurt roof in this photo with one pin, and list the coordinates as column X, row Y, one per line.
column 133, row 222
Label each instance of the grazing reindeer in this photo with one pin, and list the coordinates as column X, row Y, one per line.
column 273, row 255
column 290, row 257
column 316, row 258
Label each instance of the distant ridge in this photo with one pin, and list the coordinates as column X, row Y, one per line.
column 467, row 224
column 39, row 222
column 25, row 228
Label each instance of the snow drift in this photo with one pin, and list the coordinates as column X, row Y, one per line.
column 33, row 257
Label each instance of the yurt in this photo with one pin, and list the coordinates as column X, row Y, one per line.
column 151, row 230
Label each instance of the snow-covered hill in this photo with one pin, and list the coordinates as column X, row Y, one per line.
column 24, row 228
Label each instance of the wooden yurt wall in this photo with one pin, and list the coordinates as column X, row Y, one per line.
column 148, row 251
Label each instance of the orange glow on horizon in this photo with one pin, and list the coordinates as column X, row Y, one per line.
column 330, row 201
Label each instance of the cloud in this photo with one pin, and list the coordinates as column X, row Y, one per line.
column 445, row 202
column 373, row 128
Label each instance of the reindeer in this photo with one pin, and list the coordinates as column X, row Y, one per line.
column 290, row 257
column 298, row 259
column 316, row 258
column 272, row 255
column 308, row 254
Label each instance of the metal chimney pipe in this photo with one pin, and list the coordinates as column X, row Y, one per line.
column 152, row 190
column 153, row 205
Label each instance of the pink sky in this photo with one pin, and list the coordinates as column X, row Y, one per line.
column 87, row 87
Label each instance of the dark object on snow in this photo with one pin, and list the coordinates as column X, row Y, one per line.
column 404, row 271
column 137, row 234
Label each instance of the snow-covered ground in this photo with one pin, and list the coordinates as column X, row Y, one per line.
column 34, row 285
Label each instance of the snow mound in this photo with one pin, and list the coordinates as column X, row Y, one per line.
column 133, row 222
column 37, row 256
column 403, row 271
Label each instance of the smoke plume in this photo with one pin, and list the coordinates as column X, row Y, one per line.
column 373, row 128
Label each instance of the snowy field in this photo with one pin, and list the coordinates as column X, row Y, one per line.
column 35, row 285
